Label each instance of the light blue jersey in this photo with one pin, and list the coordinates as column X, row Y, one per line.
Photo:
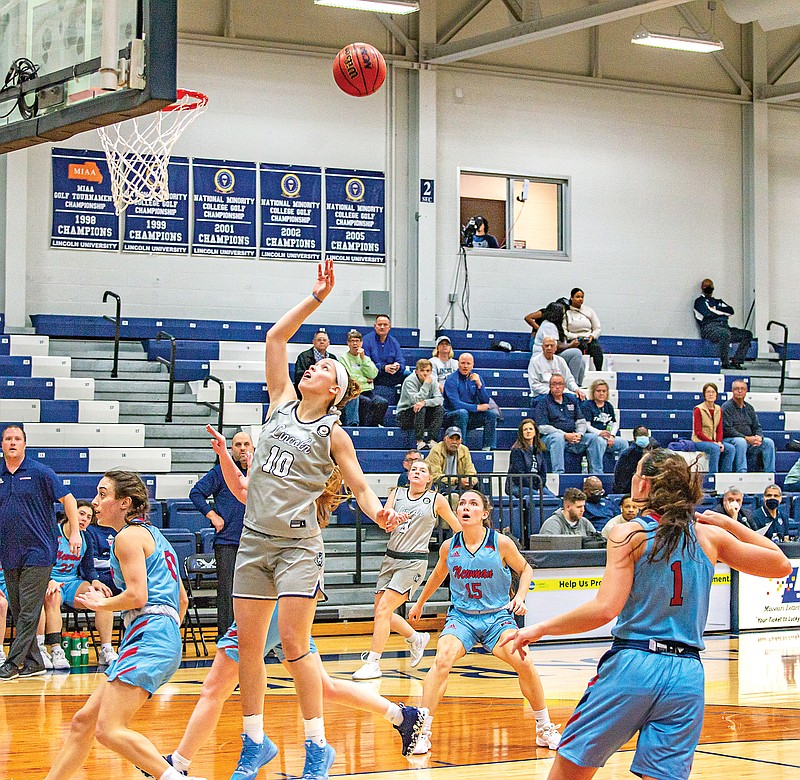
column 67, row 563
column 3, row 587
column 669, row 598
column 480, row 583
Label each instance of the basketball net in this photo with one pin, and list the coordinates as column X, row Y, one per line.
column 138, row 150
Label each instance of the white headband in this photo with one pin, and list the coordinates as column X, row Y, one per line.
column 342, row 379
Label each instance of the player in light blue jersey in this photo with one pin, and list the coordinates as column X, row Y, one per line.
column 658, row 579
column 479, row 562
column 153, row 602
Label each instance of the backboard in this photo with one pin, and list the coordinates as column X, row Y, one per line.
column 74, row 65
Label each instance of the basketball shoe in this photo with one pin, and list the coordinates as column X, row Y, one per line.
column 2, row 656
column 411, row 727
column 253, row 757
column 417, row 647
column 58, row 659
column 548, row 736
column 106, row 656
column 371, row 670
column 423, row 745
column 168, row 759
column 318, row 761
column 47, row 659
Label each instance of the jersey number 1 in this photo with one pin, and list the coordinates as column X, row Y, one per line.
column 677, row 585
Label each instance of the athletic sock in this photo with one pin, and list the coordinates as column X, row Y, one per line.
column 106, row 646
column 413, row 638
column 253, row 726
column 315, row 730
column 40, row 640
column 52, row 639
column 179, row 762
column 427, row 726
column 394, row 714
column 542, row 717
column 373, row 656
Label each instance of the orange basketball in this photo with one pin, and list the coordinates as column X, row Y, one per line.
column 359, row 69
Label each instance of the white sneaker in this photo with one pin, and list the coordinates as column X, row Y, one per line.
column 46, row 658
column 59, row 660
column 371, row 670
column 2, row 656
column 417, row 647
column 423, row 745
column 548, row 736
column 106, row 656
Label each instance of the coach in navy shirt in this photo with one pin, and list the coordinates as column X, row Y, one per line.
column 384, row 351
column 227, row 517
column 29, row 536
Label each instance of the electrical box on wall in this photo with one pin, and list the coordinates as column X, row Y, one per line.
column 375, row 302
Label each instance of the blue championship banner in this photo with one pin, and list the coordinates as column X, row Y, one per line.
column 224, row 208
column 83, row 211
column 354, row 216
column 162, row 227
column 291, row 212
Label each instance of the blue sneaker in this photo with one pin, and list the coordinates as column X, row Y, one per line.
column 318, row 761
column 253, row 757
column 411, row 727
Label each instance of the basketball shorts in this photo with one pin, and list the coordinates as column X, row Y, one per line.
column 657, row 694
column 401, row 576
column 471, row 630
column 229, row 642
column 268, row 567
column 68, row 591
column 150, row 653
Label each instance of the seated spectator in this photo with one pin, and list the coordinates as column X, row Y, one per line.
column 411, row 457
column 443, row 361
column 629, row 460
column 601, row 417
column 731, row 504
column 772, row 515
column 526, row 457
column 712, row 318
column 368, row 409
column 627, row 512
column 563, row 427
column 569, row 519
column 742, row 431
column 552, row 319
column 581, row 323
column 466, row 402
column 535, row 319
column 317, row 352
column 792, row 481
column 420, row 406
column 543, row 365
column 483, row 239
column 384, row 351
column 102, row 538
column 707, row 431
column 599, row 508
column 449, row 457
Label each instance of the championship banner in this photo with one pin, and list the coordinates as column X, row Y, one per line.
column 161, row 227
column 83, row 211
column 354, row 216
column 224, row 208
column 770, row 603
column 291, row 212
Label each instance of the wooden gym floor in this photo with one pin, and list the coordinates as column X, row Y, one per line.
column 482, row 730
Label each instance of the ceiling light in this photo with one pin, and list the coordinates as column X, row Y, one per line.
column 380, row 6
column 644, row 37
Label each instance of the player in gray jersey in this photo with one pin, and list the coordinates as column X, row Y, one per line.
column 299, row 463
column 404, row 567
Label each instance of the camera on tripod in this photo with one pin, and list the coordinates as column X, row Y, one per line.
column 469, row 230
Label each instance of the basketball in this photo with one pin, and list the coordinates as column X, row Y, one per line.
column 359, row 69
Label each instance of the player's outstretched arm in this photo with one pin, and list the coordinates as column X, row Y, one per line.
column 443, row 509
column 437, row 577
column 234, row 479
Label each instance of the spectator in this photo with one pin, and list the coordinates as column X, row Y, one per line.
column 627, row 512
column 581, row 323
column 629, row 460
column 569, row 519
column 792, row 481
column 411, row 457
column 712, row 317
column 102, row 538
column 384, row 351
column 599, row 508
column 707, row 431
column 367, row 409
column 563, row 427
column 483, row 239
column 227, row 517
column 466, row 402
column 420, row 406
column 742, row 431
column 772, row 515
column 526, row 457
column 443, row 361
column 449, row 457
column 552, row 319
column 317, row 352
column 731, row 504
column 30, row 539
column 543, row 365
column 535, row 319
column 601, row 417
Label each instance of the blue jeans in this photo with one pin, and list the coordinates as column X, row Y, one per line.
column 369, row 409
column 743, row 451
column 467, row 421
column 590, row 443
column 717, row 461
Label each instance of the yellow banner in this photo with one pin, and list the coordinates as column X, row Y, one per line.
column 593, row 583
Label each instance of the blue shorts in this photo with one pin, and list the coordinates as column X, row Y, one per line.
column 68, row 591
column 472, row 629
column 229, row 642
column 150, row 653
column 657, row 694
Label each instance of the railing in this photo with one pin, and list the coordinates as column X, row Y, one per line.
column 173, row 345
column 220, row 407
column 784, row 352
column 116, row 320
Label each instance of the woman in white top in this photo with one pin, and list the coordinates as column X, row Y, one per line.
column 443, row 361
column 581, row 323
column 552, row 319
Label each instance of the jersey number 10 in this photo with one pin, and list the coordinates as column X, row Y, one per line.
column 279, row 462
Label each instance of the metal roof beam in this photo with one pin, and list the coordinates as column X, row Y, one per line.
column 781, row 93
column 784, row 63
column 398, row 34
column 463, row 21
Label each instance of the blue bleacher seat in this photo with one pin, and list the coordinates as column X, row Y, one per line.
column 206, row 540
column 156, row 515
column 27, row 387
column 62, row 459
column 576, row 481
column 642, row 382
column 483, row 339
column 59, row 411
column 657, row 400
column 84, row 486
column 184, row 515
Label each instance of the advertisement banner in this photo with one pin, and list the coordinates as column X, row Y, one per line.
column 354, row 216
column 769, row 603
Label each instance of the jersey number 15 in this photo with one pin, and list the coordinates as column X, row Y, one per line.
column 474, row 590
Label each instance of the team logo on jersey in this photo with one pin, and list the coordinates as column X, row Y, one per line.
column 454, row 554
column 324, row 430
column 417, row 577
column 319, row 560
column 426, row 500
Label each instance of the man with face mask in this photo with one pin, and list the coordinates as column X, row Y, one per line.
column 731, row 504
column 712, row 316
column 772, row 515
column 629, row 460
column 599, row 509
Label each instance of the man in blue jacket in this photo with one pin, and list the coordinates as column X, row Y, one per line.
column 712, row 316
column 466, row 403
column 227, row 517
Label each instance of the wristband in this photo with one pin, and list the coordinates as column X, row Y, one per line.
column 315, row 297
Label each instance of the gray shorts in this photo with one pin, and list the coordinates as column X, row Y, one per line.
column 401, row 576
column 268, row 567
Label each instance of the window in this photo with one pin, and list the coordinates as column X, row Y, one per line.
column 526, row 214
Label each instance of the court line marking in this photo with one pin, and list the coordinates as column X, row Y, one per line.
column 747, row 758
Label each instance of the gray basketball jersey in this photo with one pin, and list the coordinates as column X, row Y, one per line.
column 291, row 465
column 414, row 534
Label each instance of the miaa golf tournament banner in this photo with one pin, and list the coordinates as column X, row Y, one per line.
column 291, row 212
column 354, row 216
column 224, row 208
column 83, row 210
column 157, row 226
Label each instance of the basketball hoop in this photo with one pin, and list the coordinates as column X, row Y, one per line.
column 138, row 150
